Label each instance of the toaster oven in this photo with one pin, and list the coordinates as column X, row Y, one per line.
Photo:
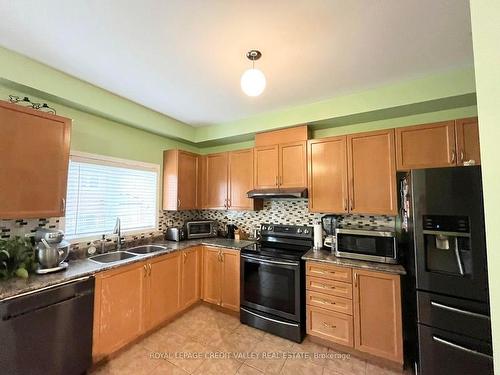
column 200, row 229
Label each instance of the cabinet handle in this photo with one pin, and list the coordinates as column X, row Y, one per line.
column 145, row 270
column 149, row 266
column 351, row 204
column 325, row 324
column 462, row 156
column 178, row 203
column 453, row 156
column 355, row 279
column 185, row 257
column 327, row 286
column 228, row 203
column 345, row 204
column 277, row 181
column 324, row 301
column 63, row 204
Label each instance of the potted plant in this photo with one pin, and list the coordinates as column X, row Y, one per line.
column 17, row 258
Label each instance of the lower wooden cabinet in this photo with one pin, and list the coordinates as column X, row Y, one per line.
column 190, row 280
column 221, row 277
column 163, row 288
column 119, row 308
column 377, row 314
column 362, row 312
column 131, row 300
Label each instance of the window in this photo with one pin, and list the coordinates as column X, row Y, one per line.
column 100, row 189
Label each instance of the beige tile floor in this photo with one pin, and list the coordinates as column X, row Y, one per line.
column 207, row 341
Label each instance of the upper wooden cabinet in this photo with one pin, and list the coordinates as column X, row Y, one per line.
column 327, row 163
column 372, row 173
column 216, row 180
column 180, row 180
column 442, row 144
column 34, row 157
column 226, row 179
column 426, row 146
column 240, row 179
column 354, row 173
column 467, row 137
column 266, row 167
column 377, row 314
column 221, row 277
column 280, row 158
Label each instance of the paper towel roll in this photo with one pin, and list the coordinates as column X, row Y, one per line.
column 318, row 236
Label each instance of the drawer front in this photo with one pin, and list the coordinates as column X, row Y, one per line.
column 335, row 288
column 328, row 271
column 330, row 325
column 329, row 302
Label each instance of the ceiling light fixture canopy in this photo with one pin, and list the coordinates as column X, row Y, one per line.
column 253, row 81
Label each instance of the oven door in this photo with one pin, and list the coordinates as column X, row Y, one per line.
column 271, row 286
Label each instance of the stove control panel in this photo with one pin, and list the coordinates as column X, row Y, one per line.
column 302, row 231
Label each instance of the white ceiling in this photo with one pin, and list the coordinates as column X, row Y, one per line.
column 184, row 58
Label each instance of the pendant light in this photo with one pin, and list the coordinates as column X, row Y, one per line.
column 253, row 81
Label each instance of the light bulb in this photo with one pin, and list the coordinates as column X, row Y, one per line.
column 253, row 82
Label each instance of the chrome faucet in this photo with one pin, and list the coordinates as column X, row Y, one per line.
column 118, row 231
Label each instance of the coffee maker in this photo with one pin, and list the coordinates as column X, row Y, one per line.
column 51, row 250
column 329, row 224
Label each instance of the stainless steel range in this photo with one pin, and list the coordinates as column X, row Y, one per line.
column 273, row 280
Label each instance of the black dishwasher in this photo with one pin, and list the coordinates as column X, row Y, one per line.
column 48, row 331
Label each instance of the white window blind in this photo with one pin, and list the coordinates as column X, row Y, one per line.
column 100, row 190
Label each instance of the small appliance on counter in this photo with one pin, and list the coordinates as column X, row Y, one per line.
column 367, row 244
column 175, row 234
column 200, row 229
column 51, row 250
column 329, row 224
column 230, row 229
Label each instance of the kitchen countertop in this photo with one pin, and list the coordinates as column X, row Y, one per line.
column 325, row 256
column 85, row 267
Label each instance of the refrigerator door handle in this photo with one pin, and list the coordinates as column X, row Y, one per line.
column 460, row 311
column 459, row 259
column 460, row 347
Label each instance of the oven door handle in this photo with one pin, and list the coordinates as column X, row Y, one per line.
column 266, row 261
column 269, row 319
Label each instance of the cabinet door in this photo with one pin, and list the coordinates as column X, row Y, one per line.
column 266, row 167
column 377, row 314
column 467, row 133
column 188, row 178
column 119, row 308
column 426, row 146
column 190, row 284
column 293, row 164
column 34, row 155
column 164, row 288
column 372, row 173
column 217, row 181
column 230, row 294
column 327, row 162
column 240, row 179
column 202, row 182
column 212, row 273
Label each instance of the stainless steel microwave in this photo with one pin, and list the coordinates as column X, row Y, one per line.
column 371, row 245
column 200, row 229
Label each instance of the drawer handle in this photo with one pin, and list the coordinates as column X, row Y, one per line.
column 327, row 286
column 325, row 301
column 325, row 324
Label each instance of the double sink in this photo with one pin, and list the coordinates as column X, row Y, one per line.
column 117, row 256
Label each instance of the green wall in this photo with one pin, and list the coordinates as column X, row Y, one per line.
column 486, row 40
column 437, row 92
column 95, row 134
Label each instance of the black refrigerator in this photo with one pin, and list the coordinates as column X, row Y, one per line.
column 443, row 246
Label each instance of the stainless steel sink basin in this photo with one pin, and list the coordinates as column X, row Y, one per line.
column 115, row 256
column 146, row 249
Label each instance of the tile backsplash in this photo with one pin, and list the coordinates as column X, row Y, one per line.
column 283, row 211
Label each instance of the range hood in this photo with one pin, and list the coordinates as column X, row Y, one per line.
column 277, row 193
